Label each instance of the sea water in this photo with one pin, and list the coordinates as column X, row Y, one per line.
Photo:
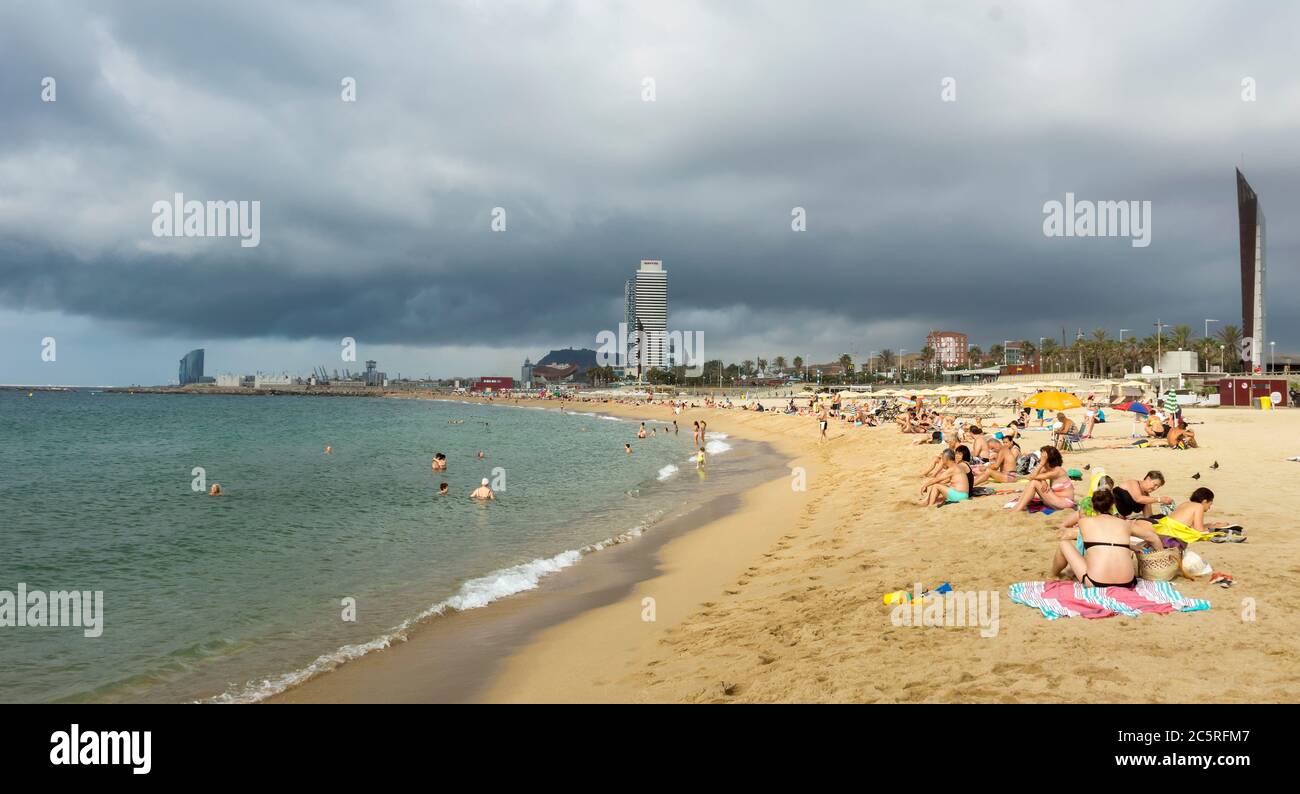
column 307, row 559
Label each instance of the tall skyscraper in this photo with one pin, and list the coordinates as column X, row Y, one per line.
column 192, row 367
column 1251, row 218
column 651, row 312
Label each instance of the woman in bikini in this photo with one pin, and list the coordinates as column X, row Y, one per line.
column 1135, row 496
column 1102, row 555
column 1049, row 483
column 953, row 484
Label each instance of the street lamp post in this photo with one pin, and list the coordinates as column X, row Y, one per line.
column 1272, row 356
column 1040, row 353
column 1220, row 358
column 1160, row 329
column 1207, row 327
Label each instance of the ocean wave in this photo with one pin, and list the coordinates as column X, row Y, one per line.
column 716, row 447
column 667, row 471
column 473, row 594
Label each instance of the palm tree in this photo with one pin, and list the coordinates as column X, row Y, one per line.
column 927, row 356
column 846, row 361
column 886, row 360
column 798, row 365
column 762, row 365
column 779, row 362
column 1230, row 338
column 746, row 368
column 1099, row 338
column 975, row 356
column 1050, row 350
column 997, row 353
column 1181, row 336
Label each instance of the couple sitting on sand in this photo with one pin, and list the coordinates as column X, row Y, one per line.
column 1101, row 552
column 952, row 482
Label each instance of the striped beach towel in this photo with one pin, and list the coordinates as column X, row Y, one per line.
column 1061, row 599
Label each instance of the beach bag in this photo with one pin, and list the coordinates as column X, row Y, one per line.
column 1160, row 566
column 1026, row 463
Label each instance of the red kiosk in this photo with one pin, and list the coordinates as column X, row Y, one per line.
column 1245, row 390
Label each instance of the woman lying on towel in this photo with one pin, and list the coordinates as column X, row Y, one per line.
column 1102, row 555
column 1049, row 483
column 1187, row 522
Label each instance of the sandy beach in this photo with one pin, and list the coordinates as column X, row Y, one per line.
column 778, row 597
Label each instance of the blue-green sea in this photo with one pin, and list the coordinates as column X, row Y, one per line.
column 235, row 597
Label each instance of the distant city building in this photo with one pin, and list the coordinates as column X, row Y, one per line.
column 373, row 376
column 492, row 383
column 1174, row 362
column 228, row 380
column 651, row 312
column 1251, row 219
column 545, row 375
column 526, row 374
column 265, row 380
column 950, row 347
column 1012, row 354
column 192, row 367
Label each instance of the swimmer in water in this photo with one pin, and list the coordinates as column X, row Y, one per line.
column 215, row 490
column 442, row 489
column 628, row 447
column 329, row 450
column 439, row 462
column 483, row 491
column 641, row 433
column 481, row 456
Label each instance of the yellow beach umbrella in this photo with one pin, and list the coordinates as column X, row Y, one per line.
column 1053, row 401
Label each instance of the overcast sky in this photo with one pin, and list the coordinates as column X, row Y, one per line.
column 376, row 214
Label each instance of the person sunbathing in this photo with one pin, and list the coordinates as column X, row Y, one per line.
column 980, row 444
column 953, row 484
column 1101, row 555
column 1188, row 519
column 1049, row 483
column 1135, row 496
column 1155, row 428
column 1061, row 430
column 1181, row 437
column 1003, row 466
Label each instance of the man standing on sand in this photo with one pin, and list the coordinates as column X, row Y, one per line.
column 483, row 492
column 823, row 420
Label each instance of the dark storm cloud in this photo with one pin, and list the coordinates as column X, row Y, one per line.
column 375, row 217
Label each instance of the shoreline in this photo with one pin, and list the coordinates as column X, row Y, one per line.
column 453, row 657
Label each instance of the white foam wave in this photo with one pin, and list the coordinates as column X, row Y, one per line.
column 716, row 447
column 473, row 594
column 667, row 471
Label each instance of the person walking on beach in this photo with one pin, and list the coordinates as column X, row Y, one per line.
column 699, row 459
column 823, row 421
column 483, row 492
column 695, row 434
